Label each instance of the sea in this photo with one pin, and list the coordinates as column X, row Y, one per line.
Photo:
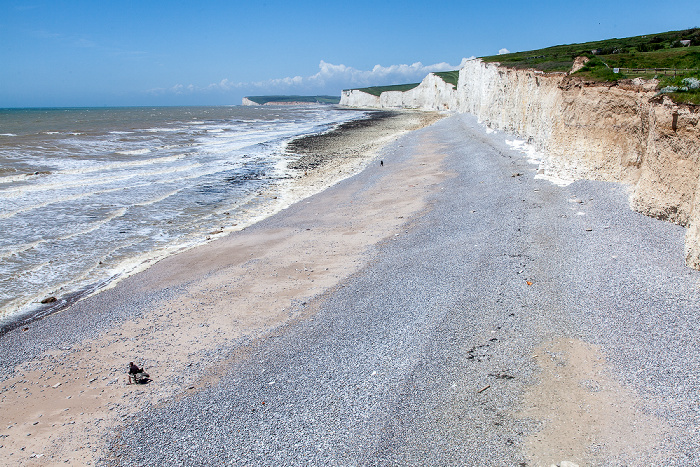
column 92, row 195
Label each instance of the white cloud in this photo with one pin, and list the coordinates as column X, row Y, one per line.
column 330, row 78
column 503, row 51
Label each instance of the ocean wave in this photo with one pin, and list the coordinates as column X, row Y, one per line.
column 121, row 165
column 156, row 187
column 63, row 185
column 158, row 199
column 134, row 152
column 165, row 130
column 65, row 199
column 21, row 177
column 17, row 249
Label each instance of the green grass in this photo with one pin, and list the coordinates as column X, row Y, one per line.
column 317, row 99
column 597, row 70
column 687, row 57
column 651, row 51
column 378, row 90
column 450, row 77
column 685, row 92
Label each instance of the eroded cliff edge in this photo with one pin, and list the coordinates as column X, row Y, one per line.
column 622, row 132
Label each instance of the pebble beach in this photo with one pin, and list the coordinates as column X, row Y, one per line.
column 441, row 306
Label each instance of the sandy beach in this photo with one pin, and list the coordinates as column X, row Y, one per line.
column 65, row 382
column 441, row 307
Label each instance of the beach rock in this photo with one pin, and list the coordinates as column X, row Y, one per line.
column 567, row 464
column 49, row 300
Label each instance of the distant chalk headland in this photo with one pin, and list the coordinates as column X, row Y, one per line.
column 290, row 100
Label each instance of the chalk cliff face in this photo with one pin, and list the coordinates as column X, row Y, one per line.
column 622, row 133
column 431, row 94
column 619, row 133
column 356, row 98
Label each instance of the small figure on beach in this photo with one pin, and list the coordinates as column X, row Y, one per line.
column 381, row 163
column 139, row 376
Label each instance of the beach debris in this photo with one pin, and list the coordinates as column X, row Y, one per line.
column 589, row 229
column 502, row 375
column 528, row 282
column 56, row 385
column 483, row 389
column 49, row 300
column 139, row 376
column 516, row 174
column 478, row 352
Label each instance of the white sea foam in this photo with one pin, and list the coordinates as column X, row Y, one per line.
column 20, row 178
column 17, row 249
column 129, row 197
column 59, row 185
column 89, row 228
column 165, row 130
column 134, row 152
column 158, row 199
column 92, row 167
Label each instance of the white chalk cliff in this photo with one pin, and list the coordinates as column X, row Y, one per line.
column 623, row 132
column 431, row 94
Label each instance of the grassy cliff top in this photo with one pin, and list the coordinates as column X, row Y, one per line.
column 378, row 90
column 317, row 99
column 450, row 77
column 672, row 57
column 663, row 50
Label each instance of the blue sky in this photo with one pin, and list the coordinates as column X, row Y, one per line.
column 153, row 52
